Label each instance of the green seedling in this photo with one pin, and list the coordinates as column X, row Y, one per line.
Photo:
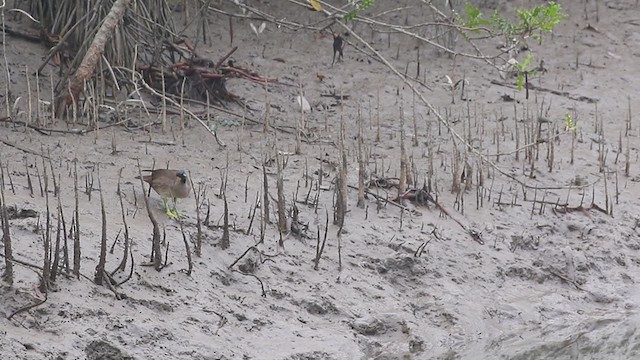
column 569, row 123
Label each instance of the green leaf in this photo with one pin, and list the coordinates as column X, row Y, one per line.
column 350, row 15
column 473, row 17
column 526, row 62
column 472, row 11
column 520, row 81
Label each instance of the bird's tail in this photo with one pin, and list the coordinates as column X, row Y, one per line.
column 146, row 178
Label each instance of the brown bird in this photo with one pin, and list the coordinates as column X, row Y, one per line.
column 167, row 183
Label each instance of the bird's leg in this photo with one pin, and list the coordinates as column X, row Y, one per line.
column 175, row 211
column 170, row 212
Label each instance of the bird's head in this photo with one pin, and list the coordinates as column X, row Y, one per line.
column 182, row 175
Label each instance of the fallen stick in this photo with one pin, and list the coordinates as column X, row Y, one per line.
column 44, row 131
column 566, row 279
column 378, row 197
column 28, row 307
column 264, row 293
column 551, row 91
column 28, row 151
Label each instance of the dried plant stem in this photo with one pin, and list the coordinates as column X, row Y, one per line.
column 56, row 251
column 164, row 104
column 100, row 272
column 378, row 115
column 265, row 195
column 252, row 214
column 127, row 242
column 76, row 230
column 362, row 171
column 402, row 186
column 320, row 245
column 300, row 125
column 267, row 108
column 627, row 160
column 156, row 254
column 46, row 267
column 225, row 241
column 7, row 96
column 7, row 276
column 340, row 212
column 282, row 218
column 198, row 196
column 29, row 182
column 29, row 102
column 607, row 203
column 187, row 249
column 415, row 121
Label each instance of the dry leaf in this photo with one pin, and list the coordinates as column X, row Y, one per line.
column 316, row 5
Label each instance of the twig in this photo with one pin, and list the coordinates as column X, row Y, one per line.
column 28, row 151
column 254, row 247
column 29, row 307
column 264, row 293
column 222, row 59
column 387, row 201
column 110, row 285
column 566, row 279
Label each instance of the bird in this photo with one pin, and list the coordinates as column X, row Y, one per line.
column 167, row 183
column 338, row 46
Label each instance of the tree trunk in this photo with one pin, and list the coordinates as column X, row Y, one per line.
column 71, row 91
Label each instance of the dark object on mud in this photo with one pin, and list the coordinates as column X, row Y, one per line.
column 338, row 47
column 15, row 213
column 195, row 77
column 192, row 77
column 102, row 350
